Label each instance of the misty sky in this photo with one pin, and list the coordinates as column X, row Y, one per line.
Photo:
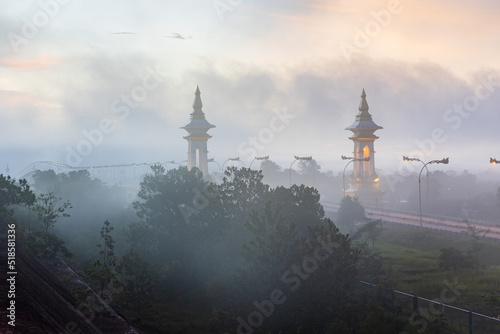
column 288, row 72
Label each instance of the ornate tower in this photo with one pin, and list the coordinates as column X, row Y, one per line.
column 198, row 136
column 364, row 179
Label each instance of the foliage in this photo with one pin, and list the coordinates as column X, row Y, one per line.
column 319, row 266
column 383, row 321
column 371, row 230
column 242, row 191
column 103, row 269
column 453, row 258
column 13, row 193
column 48, row 244
column 135, row 277
column 350, row 213
column 273, row 245
column 49, row 209
column 160, row 196
column 181, row 218
column 93, row 202
column 371, row 265
column 300, row 205
column 475, row 236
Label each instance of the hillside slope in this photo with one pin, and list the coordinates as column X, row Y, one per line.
column 44, row 303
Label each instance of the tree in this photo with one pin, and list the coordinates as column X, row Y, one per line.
column 319, row 267
column 135, row 280
column 49, row 209
column 475, row 246
column 181, row 217
column 274, row 243
column 243, row 191
column 13, row 193
column 300, row 205
column 371, row 230
column 103, row 269
column 169, row 206
column 309, row 170
column 350, row 213
column 272, row 172
column 93, row 202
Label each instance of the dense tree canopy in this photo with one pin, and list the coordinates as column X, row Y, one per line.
column 13, row 193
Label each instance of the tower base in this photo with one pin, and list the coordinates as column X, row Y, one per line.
column 367, row 192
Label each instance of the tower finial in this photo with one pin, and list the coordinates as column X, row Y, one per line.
column 197, row 105
column 363, row 105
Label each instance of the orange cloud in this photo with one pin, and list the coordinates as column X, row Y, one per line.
column 13, row 99
column 43, row 60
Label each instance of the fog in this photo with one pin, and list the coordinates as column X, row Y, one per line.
column 93, row 98
column 71, row 76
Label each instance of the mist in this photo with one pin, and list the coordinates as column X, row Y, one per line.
column 272, row 230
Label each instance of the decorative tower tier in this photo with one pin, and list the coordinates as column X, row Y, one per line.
column 364, row 180
column 198, row 136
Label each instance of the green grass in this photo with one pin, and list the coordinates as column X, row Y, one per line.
column 412, row 265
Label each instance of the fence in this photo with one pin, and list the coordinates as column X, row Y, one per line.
column 422, row 312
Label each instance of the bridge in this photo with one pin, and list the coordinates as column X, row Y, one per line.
column 449, row 225
column 130, row 173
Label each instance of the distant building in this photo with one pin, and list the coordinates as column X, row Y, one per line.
column 198, row 136
column 364, row 180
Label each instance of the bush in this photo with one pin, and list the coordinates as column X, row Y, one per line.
column 453, row 258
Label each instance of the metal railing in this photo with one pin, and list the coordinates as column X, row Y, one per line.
column 457, row 319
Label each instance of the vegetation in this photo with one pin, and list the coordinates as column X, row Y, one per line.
column 49, row 209
column 414, row 262
column 191, row 255
column 12, row 193
column 103, row 271
column 350, row 214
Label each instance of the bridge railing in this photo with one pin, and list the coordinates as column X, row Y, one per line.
column 434, row 216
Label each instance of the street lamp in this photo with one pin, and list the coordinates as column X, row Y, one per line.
column 494, row 161
column 212, row 160
column 295, row 158
column 427, row 190
column 233, row 159
column 258, row 158
column 442, row 161
column 351, row 159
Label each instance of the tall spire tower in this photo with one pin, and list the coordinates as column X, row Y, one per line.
column 197, row 136
column 364, row 179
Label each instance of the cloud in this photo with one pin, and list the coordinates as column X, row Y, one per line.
column 407, row 99
column 265, row 56
column 39, row 61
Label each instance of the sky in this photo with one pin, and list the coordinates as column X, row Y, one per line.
column 94, row 83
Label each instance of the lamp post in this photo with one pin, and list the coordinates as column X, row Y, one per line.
column 295, row 158
column 233, row 159
column 427, row 189
column 260, row 159
column 442, row 161
column 212, row 160
column 351, row 159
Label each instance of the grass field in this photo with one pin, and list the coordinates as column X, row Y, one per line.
column 411, row 261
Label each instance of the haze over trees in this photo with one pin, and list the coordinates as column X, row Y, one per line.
column 186, row 254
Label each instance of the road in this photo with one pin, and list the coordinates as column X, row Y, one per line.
column 442, row 223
